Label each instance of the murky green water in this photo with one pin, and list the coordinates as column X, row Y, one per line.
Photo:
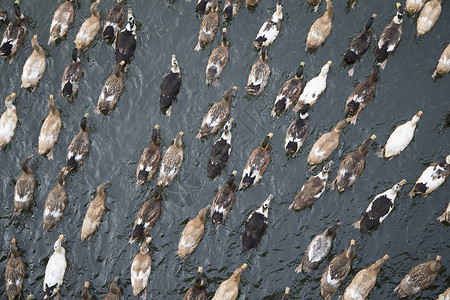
column 411, row 234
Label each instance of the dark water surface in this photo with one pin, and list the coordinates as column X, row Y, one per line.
column 410, row 235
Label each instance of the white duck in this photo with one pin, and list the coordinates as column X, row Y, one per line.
column 54, row 272
column 34, row 67
column 428, row 16
column 400, row 138
column 271, row 28
column 314, row 88
column 8, row 121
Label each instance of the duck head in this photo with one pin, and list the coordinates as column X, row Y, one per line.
column 436, row 266
column 342, row 124
column 175, row 68
column 131, row 26
column 365, row 145
column 327, row 167
column 178, row 140
column 114, row 288
column 331, row 231
column 230, row 180
column 237, row 273
column 83, row 123
column 227, row 95
column 94, row 5
column 303, row 112
column 202, row 213
column 9, row 99
column 24, row 164
column 399, row 17
column 263, row 52
column 144, row 246
column 370, row 22
column 61, row 177
column 13, row 248
column 416, row 117
column 227, row 126
column 325, row 68
column 375, row 72
column 299, row 73
column 17, row 9
column 397, row 187
column 264, row 208
column 224, row 37
column 265, row 142
column 199, row 282
column 75, row 55
column 101, row 188
column 351, row 251
column 57, row 246
column 118, row 69
column 155, row 135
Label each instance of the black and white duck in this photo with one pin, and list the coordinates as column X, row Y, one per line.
column 256, row 225
column 257, row 164
column 147, row 216
column 352, row 166
column 223, row 201
column 55, row 269
column 359, row 45
column 220, row 152
column 380, row 207
column 312, row 189
column 126, row 41
column 79, row 146
column 318, row 249
column 71, row 76
column 114, row 20
column 271, row 28
column 150, row 158
column 390, row 37
column 432, row 178
column 231, row 8
column 288, row 93
column 297, row 132
column 198, row 290
column 259, row 74
column 170, row 87
column 24, row 189
column 202, row 6
column 217, row 115
column 14, row 34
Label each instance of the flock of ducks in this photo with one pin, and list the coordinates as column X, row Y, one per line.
column 351, row 167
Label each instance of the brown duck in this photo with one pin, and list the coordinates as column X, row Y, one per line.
column 147, row 216
column 14, row 273
column 114, row 291
column 229, row 289
column 150, row 158
column 56, row 202
column 198, row 290
column 192, row 233
column 94, row 212
column 24, row 190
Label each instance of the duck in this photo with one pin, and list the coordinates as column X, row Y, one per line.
column 220, row 152
column 390, row 37
column 171, row 162
column 24, row 189
column 378, row 210
column 414, row 6
column 192, row 234
column 114, row 291
column 359, row 45
column 50, row 130
column 62, row 19
column 320, row 29
column 170, row 87
column 256, row 225
column 443, row 66
column 287, row 290
column 400, row 138
column 114, row 20
column 147, row 216
column 14, row 273
column 3, row 15
column 289, row 92
column 257, row 164
column 208, row 29
column 352, row 166
column 140, row 269
column 94, row 212
column 14, row 34
column 217, row 115
column 229, row 289
column 231, row 8
column 326, row 144
column 314, row 88
column 79, row 146
column 89, row 28
column 428, row 16
column 445, row 295
column 217, row 60
column 445, row 217
column 223, row 201
column 337, row 271
column 419, row 278
column 198, row 290
column 364, row 281
column 55, row 204
column 150, row 158
column 202, row 6
column 432, row 178
column 55, row 269
column 85, row 294
column 318, row 249
column 312, row 189
column 8, row 122
column 34, row 66
column 271, row 28
column 126, row 41
column 259, row 75
column 297, row 132
column 111, row 91
column 362, row 94
column 71, row 76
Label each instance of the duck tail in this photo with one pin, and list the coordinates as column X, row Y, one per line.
column 108, row 33
column 6, row 49
column 67, row 89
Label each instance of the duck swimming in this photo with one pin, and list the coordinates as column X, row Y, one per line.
column 208, row 29
column 223, row 201
column 14, row 34
column 34, row 67
column 320, row 29
column 256, row 225
column 55, row 269
column 8, row 121
column 217, row 60
column 297, row 132
column 89, row 28
column 414, row 6
column 443, row 66
column 390, row 37
column 94, row 212
column 140, row 270
column 428, row 16
column 114, row 20
column 172, row 161
column 147, row 216
column 79, row 146
column 50, row 130
column 271, row 28
column 170, row 87
column 198, row 290
column 288, row 93
column 14, row 273
column 318, row 249
column 111, row 91
column 432, row 178
column 71, row 76
column 126, row 41
column 150, row 158
column 62, row 19
column 55, row 204
column 114, row 291
column 229, row 289
column 192, row 234
column 220, row 152
column 259, row 75
column 24, row 189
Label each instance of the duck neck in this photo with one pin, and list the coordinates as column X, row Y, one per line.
column 36, row 47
